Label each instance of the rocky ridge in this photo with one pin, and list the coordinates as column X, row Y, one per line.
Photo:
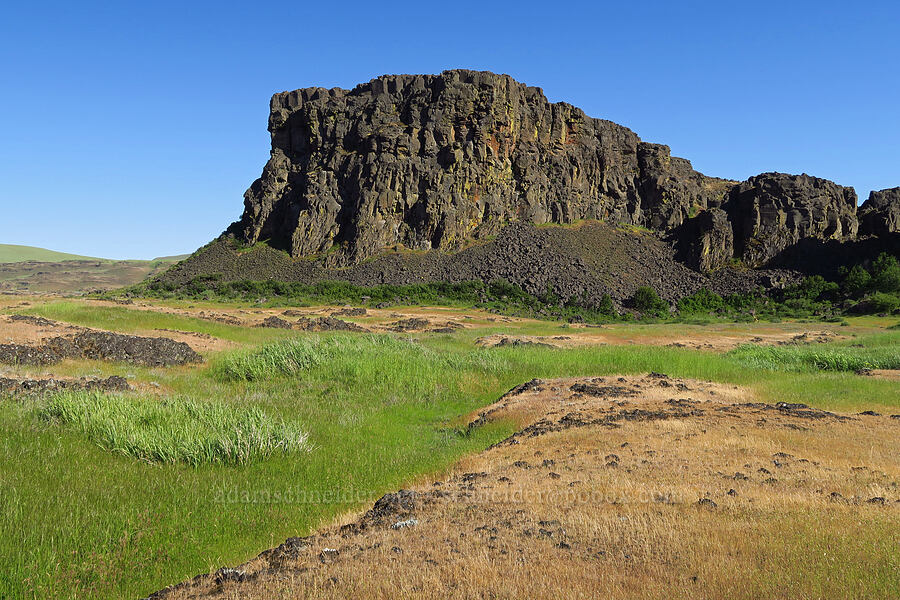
column 457, row 177
column 431, row 162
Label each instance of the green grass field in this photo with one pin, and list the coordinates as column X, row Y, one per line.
column 102, row 497
column 10, row 253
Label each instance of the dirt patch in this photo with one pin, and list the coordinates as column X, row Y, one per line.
column 102, row 345
column 40, row 386
column 615, row 485
column 26, row 329
column 891, row 374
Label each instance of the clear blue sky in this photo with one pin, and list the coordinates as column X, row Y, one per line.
column 132, row 129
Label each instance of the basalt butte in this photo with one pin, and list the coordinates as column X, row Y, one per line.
column 441, row 162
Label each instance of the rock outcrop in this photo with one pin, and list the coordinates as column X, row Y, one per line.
column 773, row 211
column 433, row 161
column 880, row 214
column 706, row 242
column 460, row 165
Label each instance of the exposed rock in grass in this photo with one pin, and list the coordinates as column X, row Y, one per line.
column 102, row 345
column 39, row 321
column 113, row 383
column 349, row 311
column 328, row 324
column 275, row 323
column 410, row 324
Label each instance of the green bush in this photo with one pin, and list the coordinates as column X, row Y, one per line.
column 606, row 306
column 856, row 281
column 703, row 301
column 886, row 274
column 882, row 303
column 647, row 301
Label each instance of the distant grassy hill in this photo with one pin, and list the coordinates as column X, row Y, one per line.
column 175, row 258
column 26, row 269
column 10, row 253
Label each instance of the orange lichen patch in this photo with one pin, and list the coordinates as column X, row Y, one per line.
column 622, row 487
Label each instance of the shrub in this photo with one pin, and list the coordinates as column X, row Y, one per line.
column 811, row 288
column 702, row 301
column 856, row 281
column 886, row 274
column 882, row 303
column 647, row 301
column 606, row 306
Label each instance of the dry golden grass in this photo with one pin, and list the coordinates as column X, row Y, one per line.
column 600, row 496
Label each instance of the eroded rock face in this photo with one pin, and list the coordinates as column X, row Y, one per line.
column 880, row 214
column 433, row 162
column 773, row 211
column 430, row 161
column 706, row 241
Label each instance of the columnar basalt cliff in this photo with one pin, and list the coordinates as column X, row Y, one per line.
column 432, row 161
column 438, row 163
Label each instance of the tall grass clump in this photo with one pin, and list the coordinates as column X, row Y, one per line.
column 173, row 430
column 383, row 353
column 283, row 358
column 295, row 356
column 817, row 358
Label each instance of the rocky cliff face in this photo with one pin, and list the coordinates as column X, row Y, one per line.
column 773, row 211
column 880, row 214
column 432, row 162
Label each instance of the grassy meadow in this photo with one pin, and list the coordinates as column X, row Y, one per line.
column 110, row 496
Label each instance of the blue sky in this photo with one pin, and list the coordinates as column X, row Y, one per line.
column 132, row 130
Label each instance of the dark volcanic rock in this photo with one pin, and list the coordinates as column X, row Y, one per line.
column 430, row 161
column 773, row 211
column 275, row 323
column 113, row 383
column 706, row 242
column 462, row 165
column 102, row 345
column 880, row 214
column 328, row 324
column 583, row 262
